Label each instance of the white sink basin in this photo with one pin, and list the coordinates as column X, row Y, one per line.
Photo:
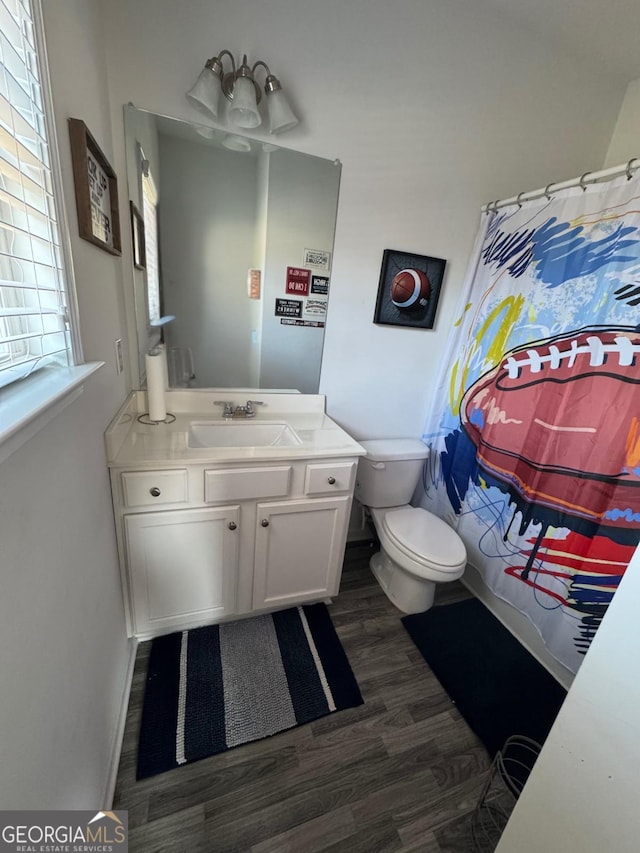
column 241, row 434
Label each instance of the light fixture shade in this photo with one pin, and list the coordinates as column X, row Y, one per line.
column 205, row 92
column 207, row 132
column 281, row 115
column 236, row 143
column 243, row 111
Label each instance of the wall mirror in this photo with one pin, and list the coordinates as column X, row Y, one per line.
column 238, row 239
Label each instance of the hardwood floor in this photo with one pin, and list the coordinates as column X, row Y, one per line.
column 400, row 773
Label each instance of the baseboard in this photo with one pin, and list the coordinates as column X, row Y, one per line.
column 116, row 747
column 519, row 625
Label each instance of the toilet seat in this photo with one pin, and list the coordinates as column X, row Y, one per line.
column 420, row 542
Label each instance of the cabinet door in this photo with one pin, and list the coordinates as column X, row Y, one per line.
column 182, row 566
column 299, row 550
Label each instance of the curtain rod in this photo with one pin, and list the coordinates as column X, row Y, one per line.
column 588, row 178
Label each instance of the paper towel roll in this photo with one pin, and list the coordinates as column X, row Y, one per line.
column 163, row 349
column 155, row 363
column 165, row 368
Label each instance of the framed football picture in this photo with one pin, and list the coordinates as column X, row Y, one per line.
column 408, row 290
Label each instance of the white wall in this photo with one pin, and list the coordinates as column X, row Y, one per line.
column 625, row 142
column 207, row 235
column 62, row 633
column 302, row 193
column 140, row 131
column 433, row 108
column 259, row 251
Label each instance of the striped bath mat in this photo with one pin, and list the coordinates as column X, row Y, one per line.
column 220, row 686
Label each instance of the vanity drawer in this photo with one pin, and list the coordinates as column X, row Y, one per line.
column 237, row 484
column 143, row 488
column 328, row 477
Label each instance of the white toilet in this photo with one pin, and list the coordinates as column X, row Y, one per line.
column 418, row 550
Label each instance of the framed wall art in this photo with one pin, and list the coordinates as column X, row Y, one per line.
column 408, row 290
column 137, row 238
column 318, row 259
column 96, row 190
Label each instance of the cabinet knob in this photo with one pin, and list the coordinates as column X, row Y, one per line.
column 155, row 492
column 265, row 522
column 331, row 480
column 232, row 525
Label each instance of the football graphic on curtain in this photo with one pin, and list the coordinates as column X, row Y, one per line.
column 553, row 423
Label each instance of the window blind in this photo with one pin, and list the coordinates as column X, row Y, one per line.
column 34, row 328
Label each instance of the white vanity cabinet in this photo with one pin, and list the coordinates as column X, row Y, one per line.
column 182, row 566
column 203, row 543
column 299, row 550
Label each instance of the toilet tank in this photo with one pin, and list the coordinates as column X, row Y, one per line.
column 389, row 473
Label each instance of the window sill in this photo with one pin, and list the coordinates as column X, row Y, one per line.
column 28, row 406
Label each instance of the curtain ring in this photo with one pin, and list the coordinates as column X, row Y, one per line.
column 546, row 191
column 582, row 184
column 518, row 202
column 495, row 205
column 629, row 170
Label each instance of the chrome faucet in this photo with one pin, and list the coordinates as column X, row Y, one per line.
column 246, row 411
column 228, row 408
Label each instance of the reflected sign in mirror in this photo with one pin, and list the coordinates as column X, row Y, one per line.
column 231, row 215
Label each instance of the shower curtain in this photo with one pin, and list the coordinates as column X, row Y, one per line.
column 535, row 430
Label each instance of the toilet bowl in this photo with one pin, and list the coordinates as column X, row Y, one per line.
column 417, row 549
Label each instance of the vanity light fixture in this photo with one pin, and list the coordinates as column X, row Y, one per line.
column 239, row 86
column 236, row 143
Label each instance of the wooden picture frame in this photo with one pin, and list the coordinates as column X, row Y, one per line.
column 137, row 238
column 96, row 188
column 408, row 289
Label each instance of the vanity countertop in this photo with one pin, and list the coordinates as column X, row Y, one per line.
column 130, row 442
